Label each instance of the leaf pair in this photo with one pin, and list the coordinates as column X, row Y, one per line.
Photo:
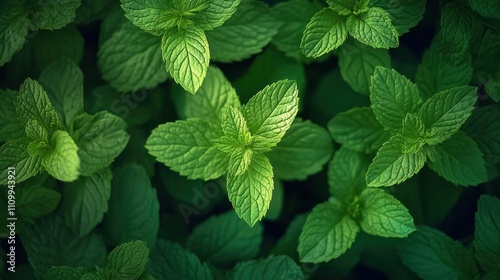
column 411, row 131
column 58, row 136
column 231, row 141
column 182, row 25
column 329, row 28
column 332, row 226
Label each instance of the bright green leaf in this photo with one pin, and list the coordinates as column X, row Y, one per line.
column 251, row 192
column 384, row 215
column 153, row 16
column 325, row 32
column 127, row 261
column 404, row 14
column 373, row 28
column 216, row 13
column 186, row 54
column 186, row 147
column 62, row 161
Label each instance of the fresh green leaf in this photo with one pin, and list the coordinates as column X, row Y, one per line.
column 36, row 201
column 348, row 7
column 303, row 151
column 357, row 63
column 63, row 81
column 10, row 127
column 359, row 130
column 131, row 59
column 404, row 14
column 293, row 17
column 273, row 267
column 85, row 201
column 127, row 261
column 15, row 154
column 272, row 110
column 169, row 260
column 100, row 138
column 235, row 127
column 328, row 232
column 14, row 25
column 153, row 17
column 133, row 209
column 346, row 174
column 393, row 96
column 49, row 242
column 225, row 239
column 249, row 30
column 483, row 127
column 325, row 32
column 217, row 12
column 186, row 54
column 251, row 192
column 53, row 14
column 492, row 87
column 62, row 161
column 373, row 28
column 458, row 160
column 445, row 112
column 487, row 230
column 210, row 101
column 186, row 147
column 34, row 103
column 65, row 273
column 392, row 165
column 433, row 255
column 384, row 215
column 49, row 46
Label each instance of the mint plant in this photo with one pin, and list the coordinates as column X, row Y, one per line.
column 190, row 139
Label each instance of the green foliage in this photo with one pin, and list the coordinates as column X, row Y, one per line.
column 188, row 139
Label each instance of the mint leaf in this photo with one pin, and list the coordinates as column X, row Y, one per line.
column 10, row 127
column 235, row 127
column 65, row 273
column 216, row 13
column 435, row 74
column 486, row 8
column 302, row 151
column 15, row 153
column 393, row 165
column 358, row 129
column 328, row 232
column 36, row 201
column 373, row 28
column 293, row 17
column 51, row 45
column 273, row 267
column 492, row 87
column 54, row 14
column 186, row 147
column 348, row 7
column 100, row 138
column 225, row 239
column 346, row 174
column 133, row 209
column 63, row 81
column 153, row 17
column 487, row 230
column 62, row 161
column 131, row 59
column 404, row 14
column 357, row 63
column 249, row 30
column 483, row 127
column 444, row 113
column 251, row 192
column 127, row 261
column 14, row 25
column 85, row 201
column 214, row 96
column 433, row 255
column 272, row 110
column 34, row 103
column 171, row 259
column 239, row 161
column 384, row 215
column 393, row 96
column 325, row 32
column 458, row 160
column 49, row 242
column 186, row 54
